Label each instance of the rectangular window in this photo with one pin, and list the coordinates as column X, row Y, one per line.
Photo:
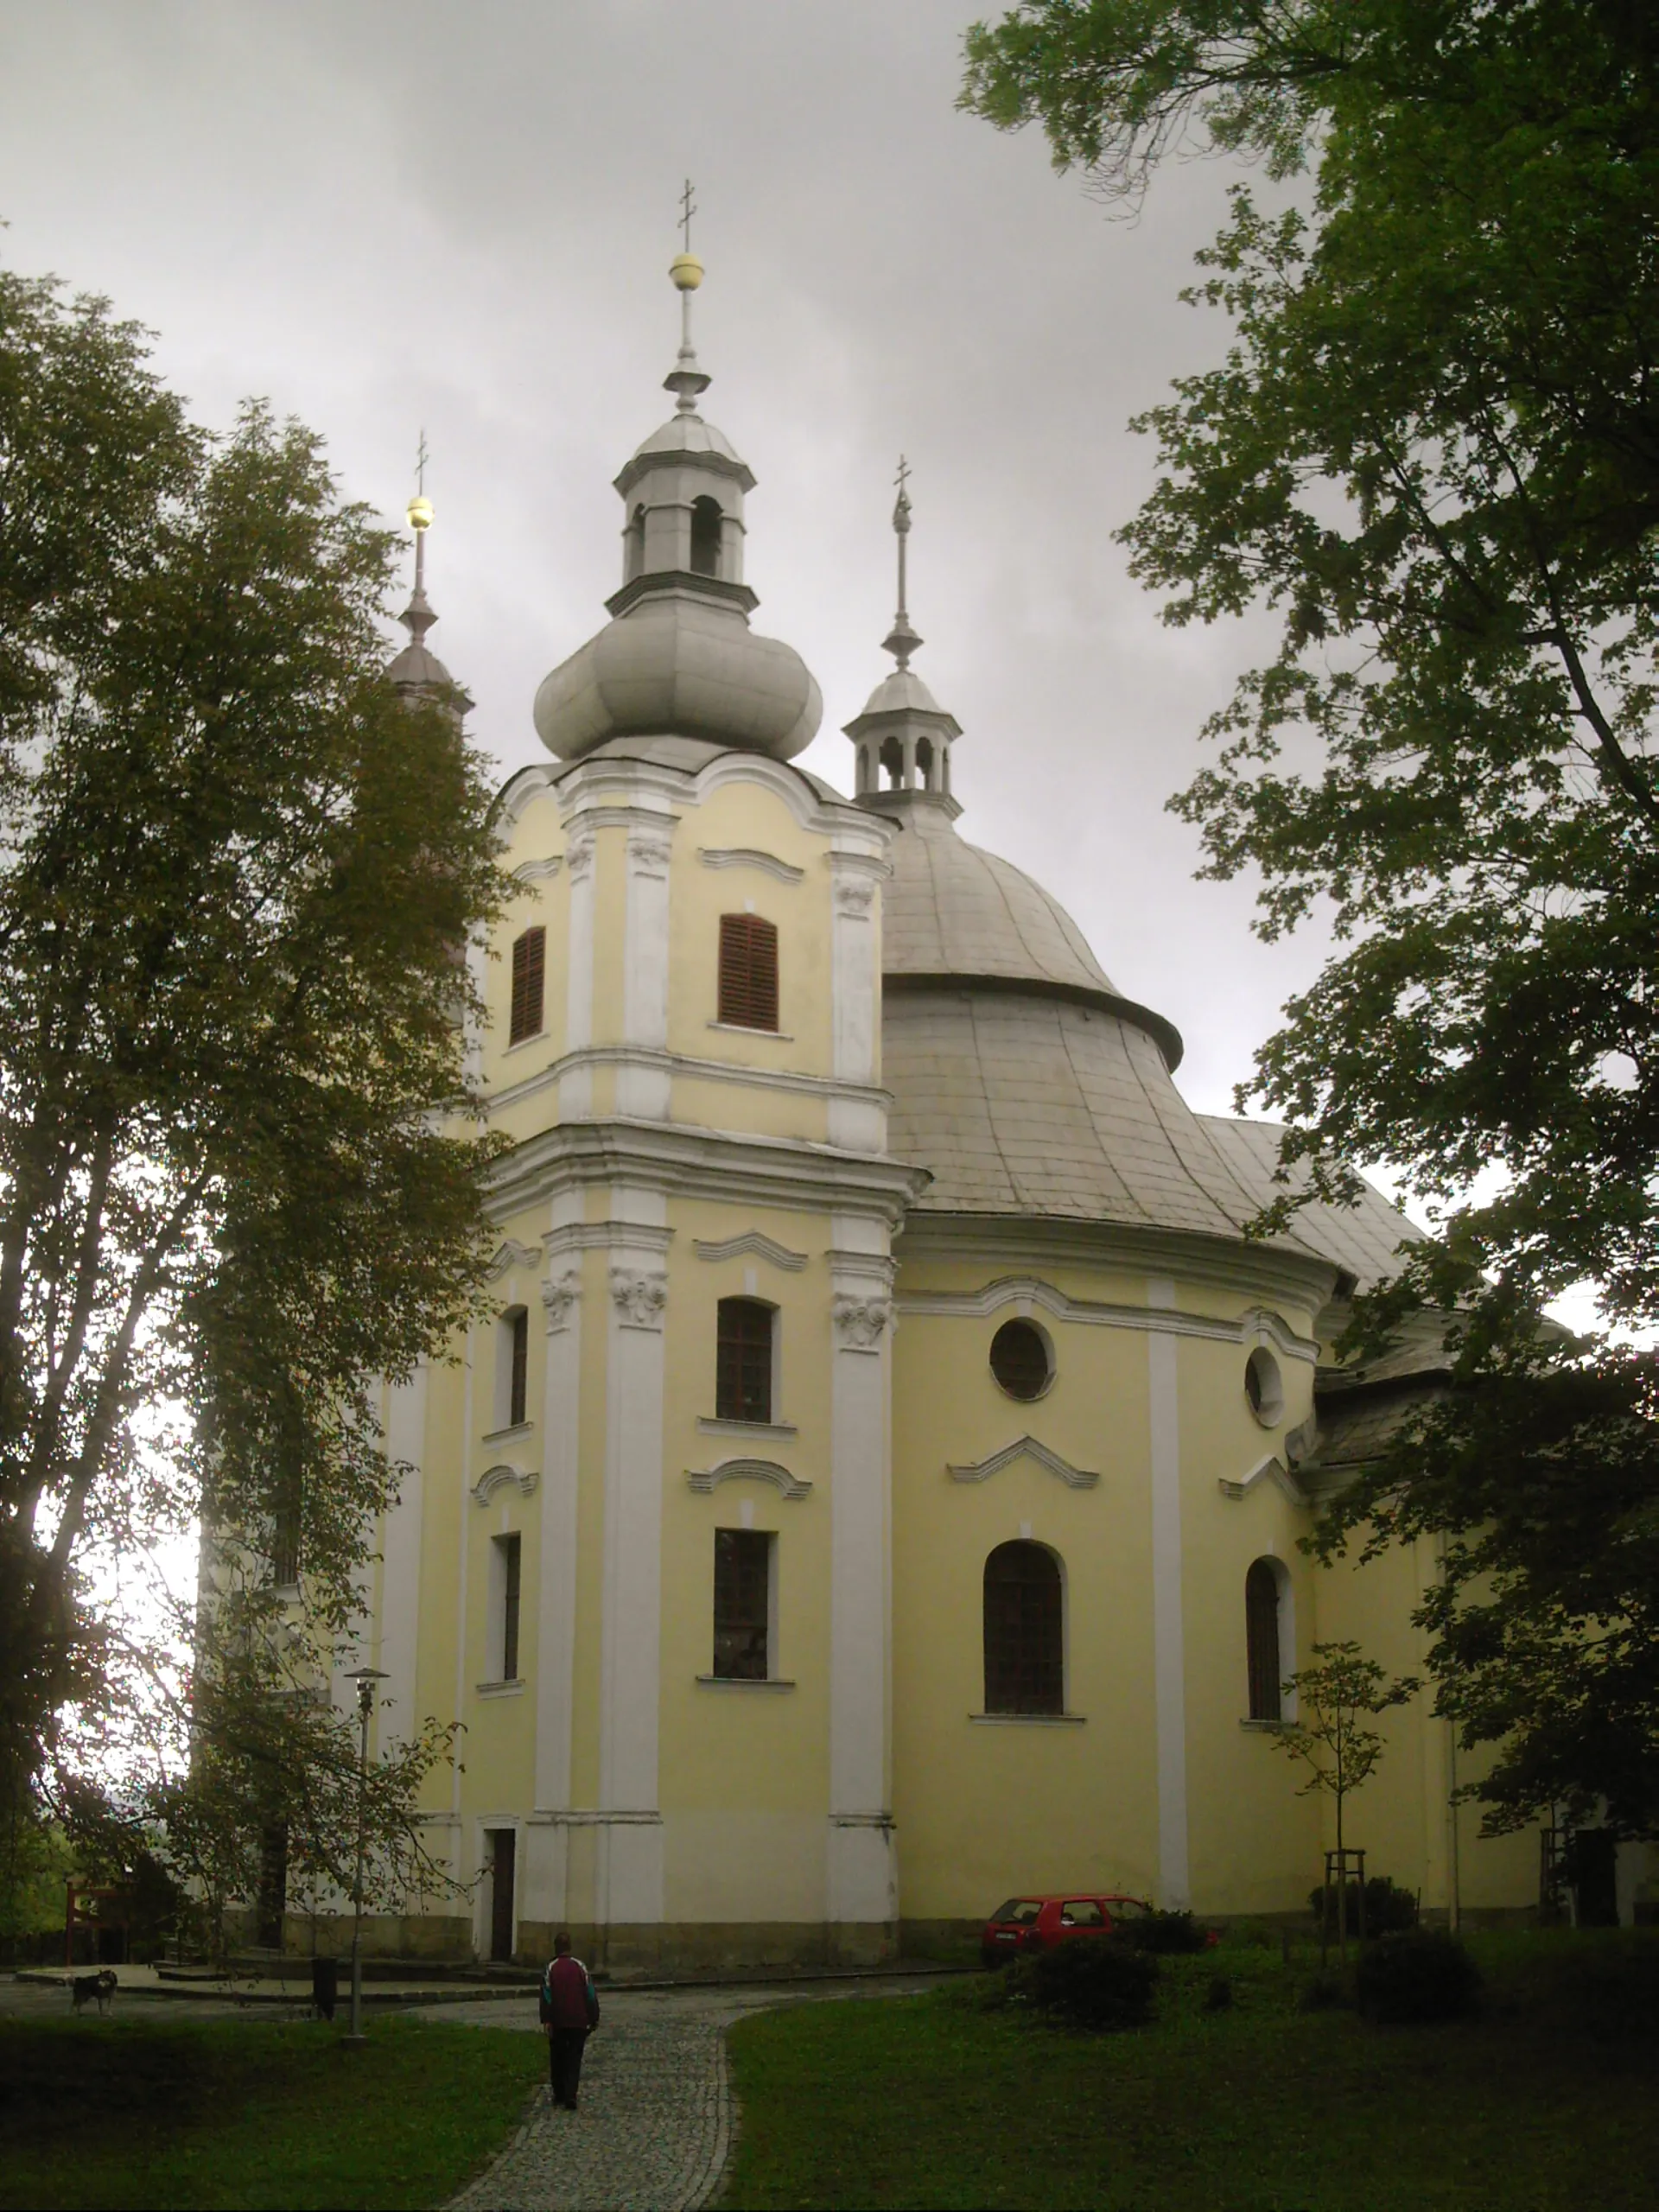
column 748, row 971
column 528, row 973
column 744, row 1563
column 504, row 1576
column 743, row 1360
column 518, row 1365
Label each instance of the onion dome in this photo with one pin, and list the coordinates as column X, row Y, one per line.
column 678, row 658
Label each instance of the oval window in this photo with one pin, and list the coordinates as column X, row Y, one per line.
column 1263, row 1387
column 1020, row 1359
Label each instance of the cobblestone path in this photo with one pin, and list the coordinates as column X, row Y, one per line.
column 650, row 2135
column 655, row 2125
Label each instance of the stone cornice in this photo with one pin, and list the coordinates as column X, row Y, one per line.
column 683, row 1064
column 677, row 1159
column 1267, row 1271
column 1254, row 1326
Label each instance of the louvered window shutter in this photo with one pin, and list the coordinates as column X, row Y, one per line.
column 529, row 973
column 748, row 971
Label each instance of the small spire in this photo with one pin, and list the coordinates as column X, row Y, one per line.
column 417, row 616
column 685, row 379
column 901, row 641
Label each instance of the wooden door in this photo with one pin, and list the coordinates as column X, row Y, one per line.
column 501, row 1917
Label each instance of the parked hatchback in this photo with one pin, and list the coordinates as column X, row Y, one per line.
column 1038, row 1922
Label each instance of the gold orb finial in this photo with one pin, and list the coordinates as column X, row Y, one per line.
column 420, row 512
column 686, row 271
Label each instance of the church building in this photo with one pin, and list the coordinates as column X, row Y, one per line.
column 879, row 1492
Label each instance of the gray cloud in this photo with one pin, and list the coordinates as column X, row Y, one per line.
column 383, row 217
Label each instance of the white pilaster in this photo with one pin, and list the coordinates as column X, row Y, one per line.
column 643, row 1089
column 856, row 1124
column 576, row 1085
column 630, row 1850
column 1169, row 1663
column 862, row 1875
column 400, row 1586
column 557, row 1597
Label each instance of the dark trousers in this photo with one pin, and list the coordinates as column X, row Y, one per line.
column 565, row 2049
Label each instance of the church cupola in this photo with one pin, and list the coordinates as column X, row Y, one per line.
column 903, row 739
column 678, row 659
column 415, row 671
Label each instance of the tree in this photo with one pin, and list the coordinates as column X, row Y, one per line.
column 237, row 1178
column 1340, row 1752
column 1433, row 448
column 1337, row 1694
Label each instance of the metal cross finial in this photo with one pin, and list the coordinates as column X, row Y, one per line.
column 420, row 465
column 902, row 640
column 687, row 209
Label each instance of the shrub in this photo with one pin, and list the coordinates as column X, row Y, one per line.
column 1388, row 1909
column 1420, row 1975
column 1163, row 1932
column 1089, row 1984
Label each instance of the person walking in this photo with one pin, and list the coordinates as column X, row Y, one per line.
column 569, row 2015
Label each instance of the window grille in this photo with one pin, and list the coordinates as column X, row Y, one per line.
column 742, row 1605
column 1262, row 1641
column 1025, row 1654
column 529, row 975
column 743, row 1360
column 517, row 1365
column 510, row 1568
column 748, row 971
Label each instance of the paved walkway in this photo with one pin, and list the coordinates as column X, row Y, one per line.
column 655, row 2125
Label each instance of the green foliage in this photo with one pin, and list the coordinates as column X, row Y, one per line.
column 1387, row 1908
column 1541, row 1496
column 1432, row 452
column 1163, row 1933
column 237, row 1178
column 135, row 2113
column 1100, row 1985
column 1336, row 1696
column 1420, row 1974
column 35, row 1861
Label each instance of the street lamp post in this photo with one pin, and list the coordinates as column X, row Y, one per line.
column 365, row 1678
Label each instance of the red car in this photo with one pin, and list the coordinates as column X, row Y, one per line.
column 1037, row 1923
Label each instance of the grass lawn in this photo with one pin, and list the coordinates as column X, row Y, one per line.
column 142, row 2111
column 1550, row 2099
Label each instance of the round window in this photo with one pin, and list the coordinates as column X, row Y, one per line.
column 1263, row 1387
column 1020, row 1359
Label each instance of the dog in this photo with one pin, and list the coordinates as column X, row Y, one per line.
column 86, row 1986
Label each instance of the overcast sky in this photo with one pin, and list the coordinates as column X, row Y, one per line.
column 384, row 217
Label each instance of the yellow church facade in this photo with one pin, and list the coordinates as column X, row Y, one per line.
column 879, row 1492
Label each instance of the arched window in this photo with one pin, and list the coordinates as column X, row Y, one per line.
column 748, row 971
column 924, row 762
column 529, row 977
column 892, row 761
column 633, row 559
column 1024, row 1630
column 743, row 1359
column 705, row 537
column 1261, row 1611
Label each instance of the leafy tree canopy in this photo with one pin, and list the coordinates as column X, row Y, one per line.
column 1433, row 450
column 237, row 1183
